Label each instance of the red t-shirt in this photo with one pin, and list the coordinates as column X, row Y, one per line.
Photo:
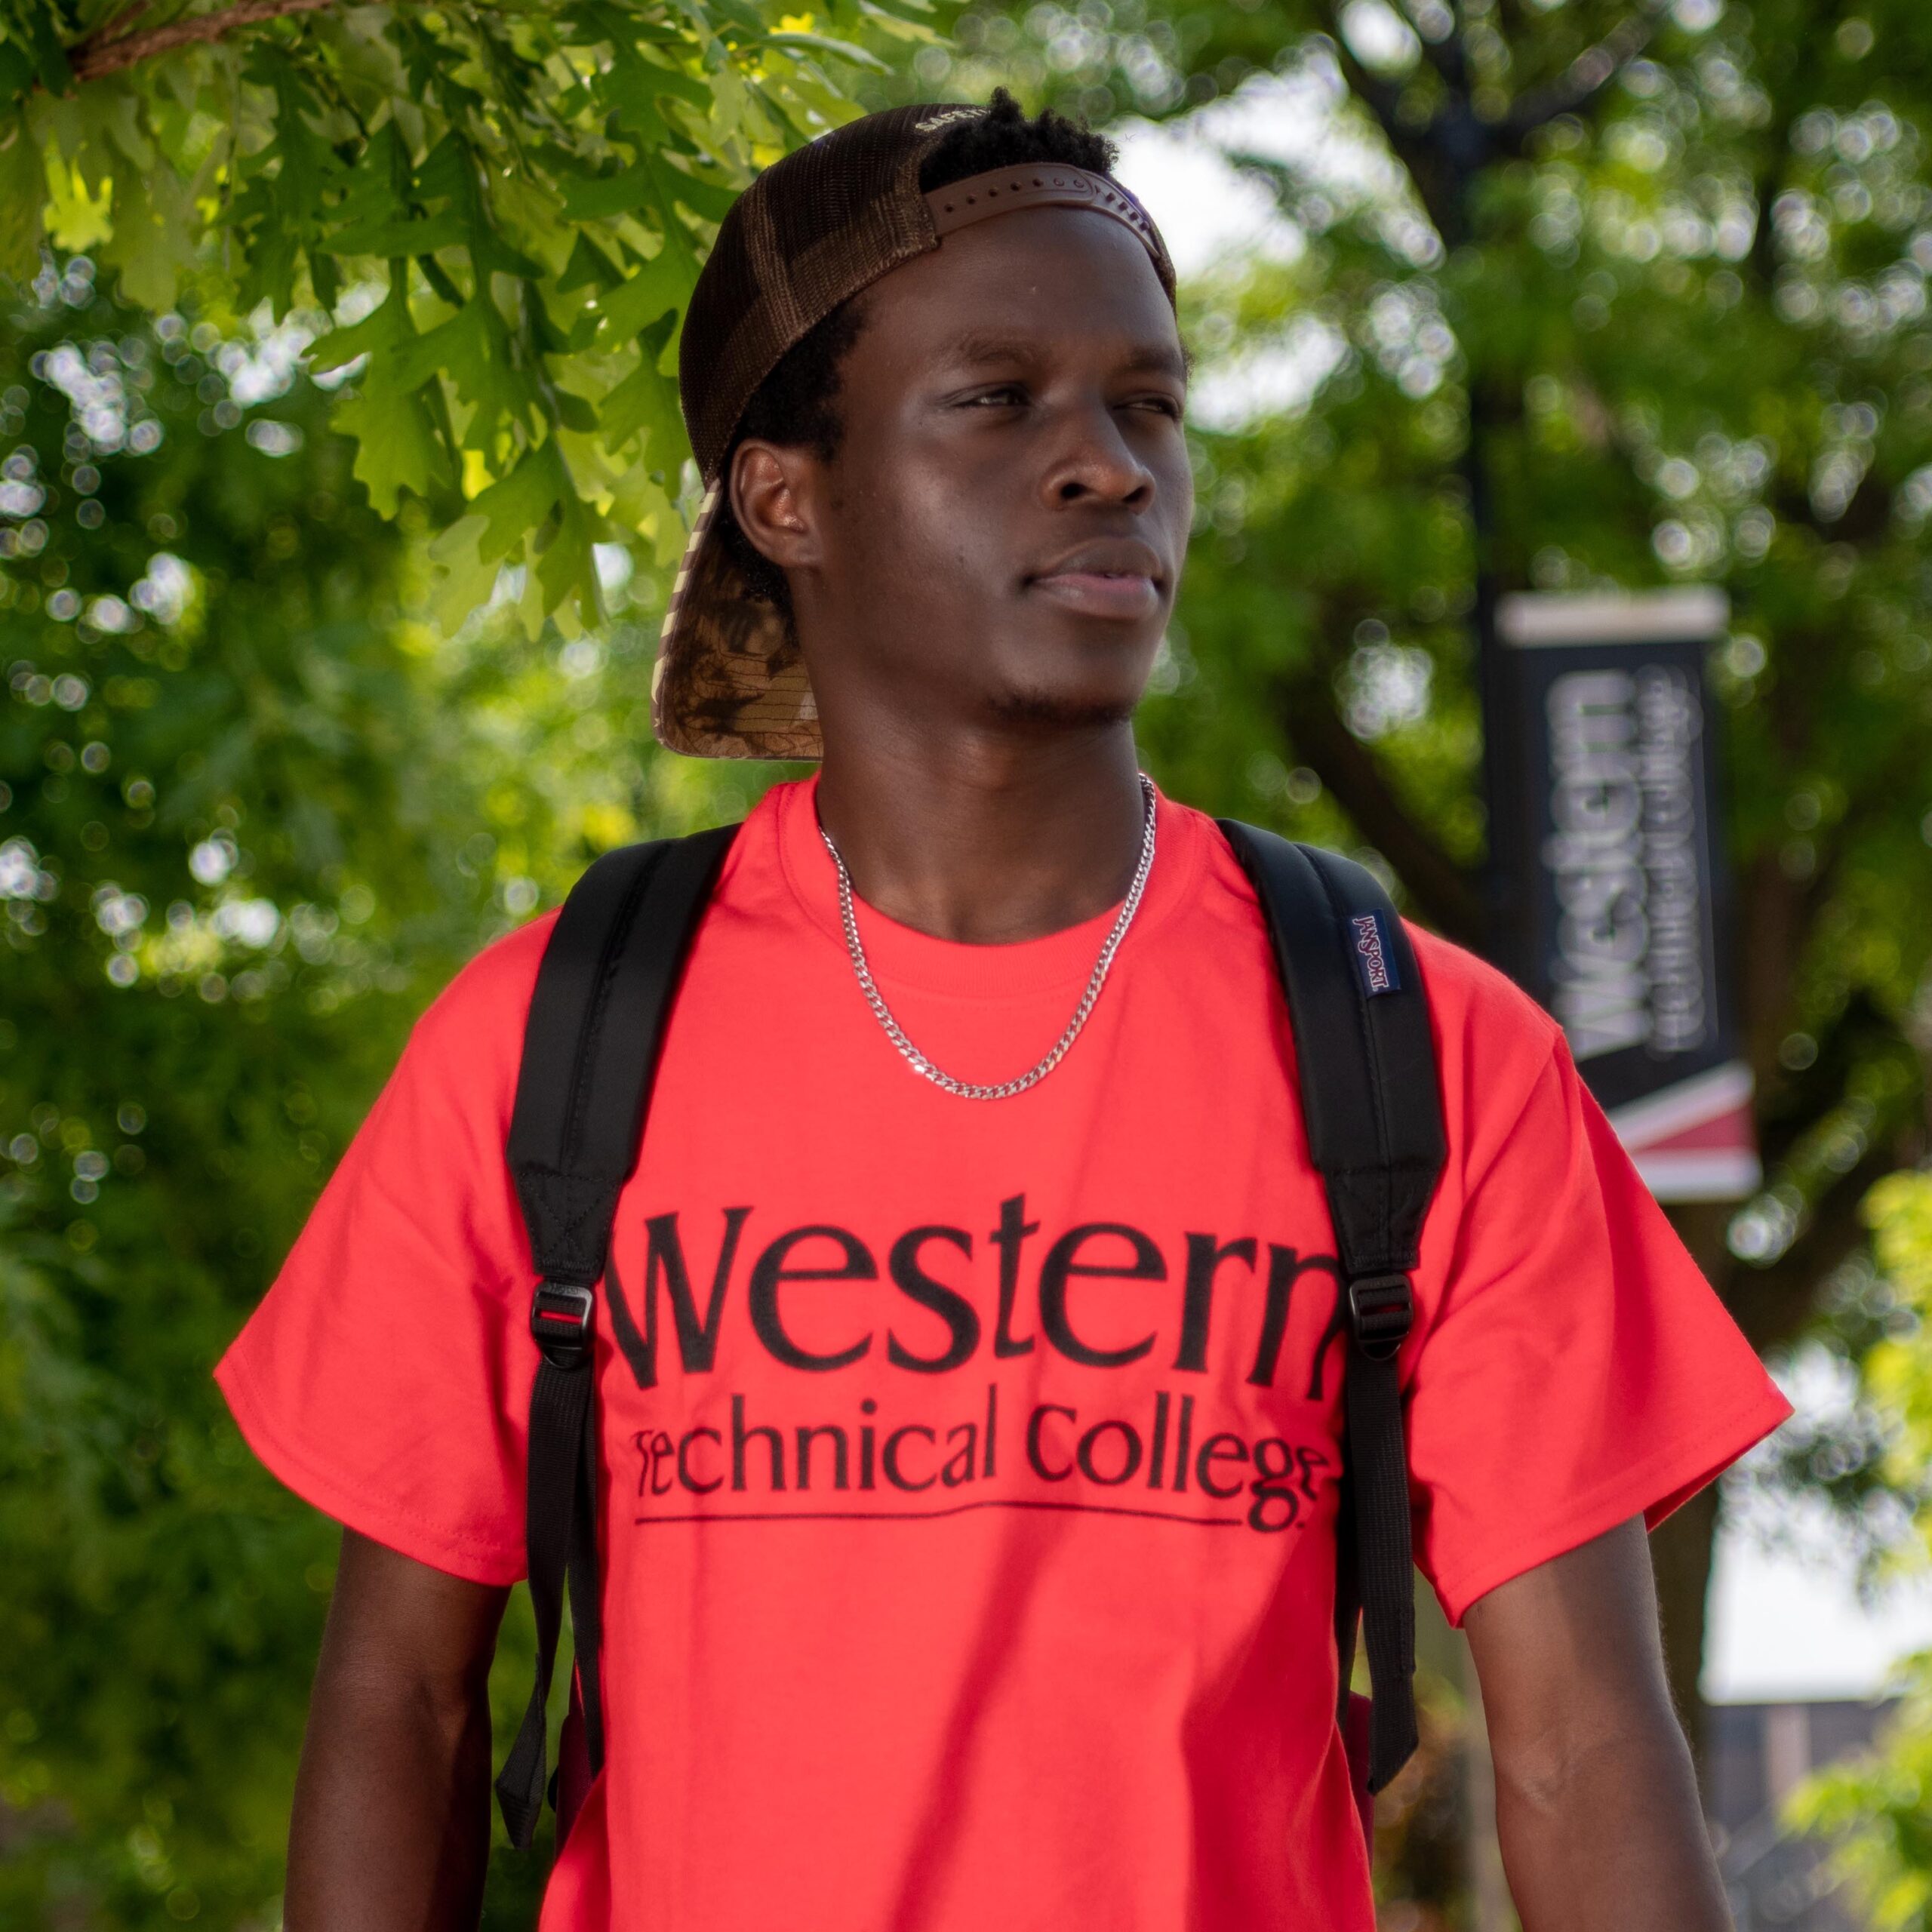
column 969, row 1469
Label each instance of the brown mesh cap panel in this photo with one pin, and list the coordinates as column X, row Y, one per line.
column 812, row 230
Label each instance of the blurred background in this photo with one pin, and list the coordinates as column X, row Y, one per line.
column 340, row 479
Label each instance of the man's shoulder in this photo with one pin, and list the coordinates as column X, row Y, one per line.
column 481, row 1012
column 1467, row 992
column 1495, row 1047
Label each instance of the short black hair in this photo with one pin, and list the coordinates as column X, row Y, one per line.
column 798, row 404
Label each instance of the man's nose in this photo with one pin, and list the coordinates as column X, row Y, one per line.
column 1093, row 458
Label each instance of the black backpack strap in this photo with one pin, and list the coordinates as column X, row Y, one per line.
column 590, row 1047
column 1374, row 1110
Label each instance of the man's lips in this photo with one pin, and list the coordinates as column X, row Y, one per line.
column 1101, row 593
column 1106, row 577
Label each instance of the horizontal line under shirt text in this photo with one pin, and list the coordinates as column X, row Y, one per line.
column 928, row 1515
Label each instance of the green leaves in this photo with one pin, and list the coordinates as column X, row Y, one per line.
column 534, row 188
column 32, row 53
column 1873, row 1806
column 645, row 406
column 397, row 446
column 525, row 500
column 23, row 192
column 271, row 809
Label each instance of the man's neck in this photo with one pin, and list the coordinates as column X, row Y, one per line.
column 991, row 839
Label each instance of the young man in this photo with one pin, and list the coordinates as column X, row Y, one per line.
column 969, row 1424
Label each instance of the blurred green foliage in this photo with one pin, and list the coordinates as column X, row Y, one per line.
column 514, row 201
column 1879, row 1808
column 255, row 813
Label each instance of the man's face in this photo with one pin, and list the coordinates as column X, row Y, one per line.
column 1000, row 537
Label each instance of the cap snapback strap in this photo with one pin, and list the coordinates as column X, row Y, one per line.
column 1047, row 184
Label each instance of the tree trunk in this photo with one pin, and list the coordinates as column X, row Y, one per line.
column 1681, row 1550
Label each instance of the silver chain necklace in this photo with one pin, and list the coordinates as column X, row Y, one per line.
column 967, row 1089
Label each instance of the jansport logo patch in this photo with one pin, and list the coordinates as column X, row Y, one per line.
column 1372, row 955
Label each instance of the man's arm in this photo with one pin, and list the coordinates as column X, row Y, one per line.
column 1596, row 1802
column 391, row 1831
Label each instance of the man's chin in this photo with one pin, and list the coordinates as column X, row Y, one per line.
column 1051, row 712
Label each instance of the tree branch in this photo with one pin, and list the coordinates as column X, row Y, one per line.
column 1583, row 81
column 113, row 48
column 1450, row 58
column 1444, row 893
column 1422, row 151
column 122, row 25
column 1381, row 97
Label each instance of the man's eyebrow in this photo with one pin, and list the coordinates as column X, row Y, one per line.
column 974, row 347
column 1164, row 358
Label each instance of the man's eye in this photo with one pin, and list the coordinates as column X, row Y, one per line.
column 1166, row 405
column 1008, row 392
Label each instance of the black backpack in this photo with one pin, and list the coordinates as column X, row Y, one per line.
column 1373, row 1109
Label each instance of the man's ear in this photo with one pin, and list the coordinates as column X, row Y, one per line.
column 773, row 498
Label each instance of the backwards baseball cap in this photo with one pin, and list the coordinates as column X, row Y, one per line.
column 811, row 232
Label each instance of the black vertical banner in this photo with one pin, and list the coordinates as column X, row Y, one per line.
column 1615, row 891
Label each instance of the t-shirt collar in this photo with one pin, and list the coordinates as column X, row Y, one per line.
column 902, row 954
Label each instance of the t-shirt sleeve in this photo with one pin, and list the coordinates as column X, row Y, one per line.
column 1576, row 1369
column 385, row 1377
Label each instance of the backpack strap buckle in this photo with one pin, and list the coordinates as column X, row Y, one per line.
column 560, row 1317
column 1381, row 1310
